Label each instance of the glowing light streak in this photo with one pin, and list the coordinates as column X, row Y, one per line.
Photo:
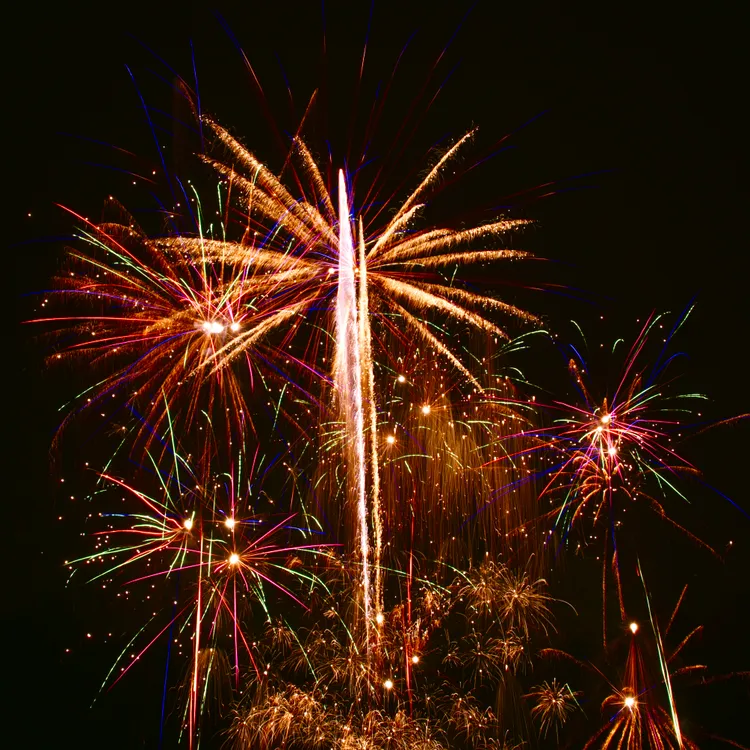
column 349, row 384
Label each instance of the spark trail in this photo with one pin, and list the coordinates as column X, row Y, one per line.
column 349, row 384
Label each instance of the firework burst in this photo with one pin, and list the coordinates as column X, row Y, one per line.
column 553, row 704
column 441, row 648
column 613, row 450
column 152, row 319
column 635, row 715
column 200, row 540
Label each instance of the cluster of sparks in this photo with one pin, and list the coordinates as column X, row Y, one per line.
column 414, row 520
column 438, row 652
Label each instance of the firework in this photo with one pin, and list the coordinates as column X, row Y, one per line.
column 614, row 449
column 393, row 269
column 331, row 492
column 200, row 537
column 641, row 710
column 553, row 704
column 191, row 307
column 458, row 637
column 622, row 440
column 151, row 321
column 388, row 259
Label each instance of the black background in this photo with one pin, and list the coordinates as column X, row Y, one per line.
column 648, row 103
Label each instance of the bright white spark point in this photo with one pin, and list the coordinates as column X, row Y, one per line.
column 401, row 379
column 426, row 409
column 606, row 418
column 213, row 326
column 390, row 440
column 415, row 659
column 234, row 558
column 633, row 627
column 629, row 702
column 612, row 450
column 379, row 618
column 229, row 523
column 388, row 684
column 188, row 523
column 234, row 327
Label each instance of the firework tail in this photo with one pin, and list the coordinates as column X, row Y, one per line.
column 365, row 348
column 349, row 386
column 662, row 659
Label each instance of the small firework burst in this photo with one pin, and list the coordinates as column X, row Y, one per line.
column 553, row 704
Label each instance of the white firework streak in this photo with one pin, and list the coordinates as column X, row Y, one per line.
column 349, row 383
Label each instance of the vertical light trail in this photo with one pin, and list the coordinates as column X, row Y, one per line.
column 349, row 385
column 196, row 654
column 365, row 354
column 236, row 639
column 662, row 662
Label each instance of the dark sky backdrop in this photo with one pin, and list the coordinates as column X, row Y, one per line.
column 650, row 103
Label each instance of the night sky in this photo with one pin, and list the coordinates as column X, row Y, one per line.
column 637, row 115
